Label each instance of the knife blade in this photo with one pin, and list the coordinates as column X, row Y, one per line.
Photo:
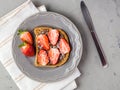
column 90, row 25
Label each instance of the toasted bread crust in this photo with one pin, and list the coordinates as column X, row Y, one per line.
column 37, row 31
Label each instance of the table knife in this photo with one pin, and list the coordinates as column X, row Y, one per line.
column 90, row 25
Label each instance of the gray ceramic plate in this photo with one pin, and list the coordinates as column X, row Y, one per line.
column 26, row 64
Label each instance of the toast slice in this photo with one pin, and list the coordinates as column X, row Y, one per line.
column 40, row 30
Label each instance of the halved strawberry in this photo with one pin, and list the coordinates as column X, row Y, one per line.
column 43, row 58
column 25, row 36
column 64, row 46
column 53, row 36
column 27, row 49
column 53, row 54
column 42, row 40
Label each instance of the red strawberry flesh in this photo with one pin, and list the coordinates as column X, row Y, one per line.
column 53, row 36
column 53, row 54
column 27, row 49
column 26, row 36
column 43, row 41
column 43, row 58
column 64, row 46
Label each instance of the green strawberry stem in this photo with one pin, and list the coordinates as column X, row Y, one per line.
column 21, row 45
column 20, row 31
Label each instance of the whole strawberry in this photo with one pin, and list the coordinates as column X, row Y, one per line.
column 25, row 36
column 27, row 49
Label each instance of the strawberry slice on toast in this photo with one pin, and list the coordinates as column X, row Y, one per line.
column 43, row 41
column 42, row 58
column 64, row 46
column 53, row 54
column 53, row 36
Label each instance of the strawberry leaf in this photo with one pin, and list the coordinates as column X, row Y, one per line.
column 20, row 31
column 21, row 45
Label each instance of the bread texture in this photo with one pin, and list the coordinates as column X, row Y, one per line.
column 37, row 31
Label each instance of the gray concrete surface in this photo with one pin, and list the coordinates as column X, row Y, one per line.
column 106, row 18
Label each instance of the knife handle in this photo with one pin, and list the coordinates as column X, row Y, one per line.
column 99, row 49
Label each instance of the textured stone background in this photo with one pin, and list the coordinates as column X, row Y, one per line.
column 106, row 19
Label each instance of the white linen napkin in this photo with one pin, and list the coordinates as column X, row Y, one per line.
column 8, row 24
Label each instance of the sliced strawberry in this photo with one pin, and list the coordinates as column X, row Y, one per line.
column 42, row 40
column 64, row 46
column 25, row 36
column 27, row 49
column 53, row 36
column 43, row 58
column 53, row 54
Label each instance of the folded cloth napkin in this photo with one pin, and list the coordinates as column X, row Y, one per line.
column 8, row 24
